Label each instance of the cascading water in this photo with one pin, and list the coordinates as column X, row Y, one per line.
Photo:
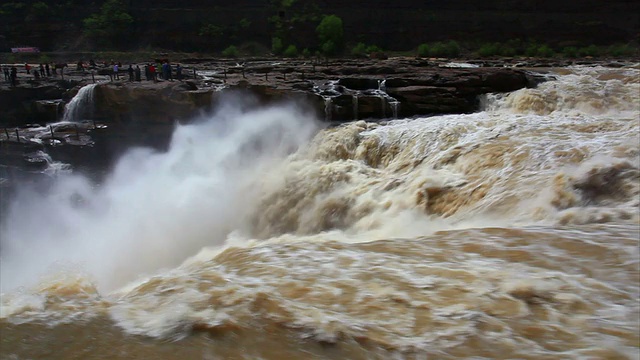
column 328, row 108
column 395, row 105
column 509, row 233
column 386, row 99
column 73, row 216
column 354, row 100
column 382, row 85
column 80, row 104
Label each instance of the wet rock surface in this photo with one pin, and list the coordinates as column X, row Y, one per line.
column 339, row 90
column 122, row 113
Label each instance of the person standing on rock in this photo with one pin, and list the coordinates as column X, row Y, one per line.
column 137, row 71
column 115, row 72
column 14, row 76
column 147, row 72
column 179, row 72
column 130, row 71
column 42, row 70
column 46, row 67
column 152, row 72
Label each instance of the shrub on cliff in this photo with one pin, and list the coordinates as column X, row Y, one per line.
column 488, row 50
column 291, row 51
column 362, row 50
column 544, row 51
column 439, row 49
column 621, row 50
column 423, row 50
column 230, row 51
column 276, row 46
column 590, row 50
column 331, row 34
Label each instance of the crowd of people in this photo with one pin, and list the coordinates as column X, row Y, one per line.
column 41, row 71
column 151, row 73
column 164, row 71
column 10, row 74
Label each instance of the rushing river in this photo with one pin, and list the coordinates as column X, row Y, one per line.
column 508, row 233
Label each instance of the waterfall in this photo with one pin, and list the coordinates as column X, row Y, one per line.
column 382, row 85
column 79, row 104
column 354, row 99
column 328, row 106
column 395, row 105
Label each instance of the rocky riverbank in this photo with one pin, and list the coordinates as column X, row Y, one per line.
column 337, row 90
column 123, row 113
column 340, row 90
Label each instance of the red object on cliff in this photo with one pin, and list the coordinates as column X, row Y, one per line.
column 25, row 50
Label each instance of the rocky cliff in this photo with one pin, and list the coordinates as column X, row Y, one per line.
column 341, row 90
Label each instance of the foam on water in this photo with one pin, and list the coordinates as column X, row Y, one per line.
column 155, row 209
column 260, row 222
column 432, row 295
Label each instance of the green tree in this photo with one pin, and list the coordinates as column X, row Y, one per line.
column 110, row 26
column 360, row 50
column 331, row 34
column 544, row 51
column 291, row 51
column 276, row 45
column 230, row 51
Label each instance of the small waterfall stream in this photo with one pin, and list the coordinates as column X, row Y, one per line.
column 395, row 105
column 328, row 107
column 80, row 104
column 355, row 106
column 382, row 85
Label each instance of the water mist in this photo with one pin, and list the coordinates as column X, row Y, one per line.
column 156, row 208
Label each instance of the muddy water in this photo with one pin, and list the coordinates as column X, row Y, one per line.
column 509, row 233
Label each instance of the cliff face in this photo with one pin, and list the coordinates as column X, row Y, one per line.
column 393, row 25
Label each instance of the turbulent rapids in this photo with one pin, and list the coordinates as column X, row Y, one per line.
column 508, row 233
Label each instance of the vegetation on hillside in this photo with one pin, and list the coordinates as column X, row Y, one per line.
column 290, row 28
column 331, row 35
column 110, row 26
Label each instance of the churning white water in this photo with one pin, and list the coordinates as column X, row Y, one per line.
column 508, row 233
column 155, row 209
